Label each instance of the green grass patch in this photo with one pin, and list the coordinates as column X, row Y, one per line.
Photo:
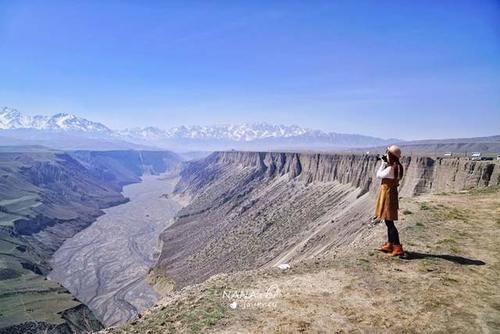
column 447, row 213
column 194, row 315
column 364, row 264
column 450, row 245
column 427, row 265
column 449, row 279
column 425, row 206
column 27, row 296
column 205, row 317
column 20, row 207
column 446, row 242
column 446, row 193
column 485, row 190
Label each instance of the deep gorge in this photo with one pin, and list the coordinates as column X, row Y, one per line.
column 241, row 210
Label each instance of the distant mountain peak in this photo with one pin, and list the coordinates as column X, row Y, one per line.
column 10, row 111
column 11, row 119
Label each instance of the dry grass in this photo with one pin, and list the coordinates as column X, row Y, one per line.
column 448, row 283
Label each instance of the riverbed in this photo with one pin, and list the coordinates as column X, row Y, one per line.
column 105, row 265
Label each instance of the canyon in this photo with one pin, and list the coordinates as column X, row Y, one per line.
column 106, row 265
column 255, row 209
column 133, row 226
column 283, row 243
column 46, row 197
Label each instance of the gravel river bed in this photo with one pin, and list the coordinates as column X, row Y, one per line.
column 105, row 265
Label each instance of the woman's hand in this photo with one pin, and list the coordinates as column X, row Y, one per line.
column 384, row 171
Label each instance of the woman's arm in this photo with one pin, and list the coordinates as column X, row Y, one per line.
column 385, row 172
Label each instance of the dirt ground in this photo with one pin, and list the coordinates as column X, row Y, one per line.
column 446, row 283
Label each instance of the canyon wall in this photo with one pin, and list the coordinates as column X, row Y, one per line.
column 422, row 174
column 252, row 209
column 47, row 197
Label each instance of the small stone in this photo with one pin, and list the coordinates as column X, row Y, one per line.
column 283, row 266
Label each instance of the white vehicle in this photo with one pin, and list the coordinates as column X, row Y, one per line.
column 448, row 154
column 475, row 156
column 498, row 157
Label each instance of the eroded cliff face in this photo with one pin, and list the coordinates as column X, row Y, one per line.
column 434, row 175
column 422, row 174
column 252, row 209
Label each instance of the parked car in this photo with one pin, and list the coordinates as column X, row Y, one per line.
column 448, row 154
column 498, row 157
column 475, row 156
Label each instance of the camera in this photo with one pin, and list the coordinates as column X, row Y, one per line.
column 381, row 157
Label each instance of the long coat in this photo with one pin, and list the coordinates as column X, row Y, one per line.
column 387, row 203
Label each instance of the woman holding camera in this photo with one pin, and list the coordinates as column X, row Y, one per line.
column 387, row 205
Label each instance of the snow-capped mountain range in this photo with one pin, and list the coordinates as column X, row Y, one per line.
column 251, row 136
column 240, row 132
column 13, row 119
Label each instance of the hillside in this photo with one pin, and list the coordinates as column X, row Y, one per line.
column 247, row 209
column 47, row 197
column 447, row 283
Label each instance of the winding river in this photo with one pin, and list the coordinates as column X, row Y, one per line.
column 105, row 265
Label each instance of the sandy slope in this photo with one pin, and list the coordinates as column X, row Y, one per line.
column 448, row 282
column 106, row 264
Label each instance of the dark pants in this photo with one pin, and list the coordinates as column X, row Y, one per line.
column 392, row 232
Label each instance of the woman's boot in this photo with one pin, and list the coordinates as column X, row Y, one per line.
column 387, row 247
column 397, row 250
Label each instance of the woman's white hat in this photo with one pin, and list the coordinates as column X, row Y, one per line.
column 394, row 149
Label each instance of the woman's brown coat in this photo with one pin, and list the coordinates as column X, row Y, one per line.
column 387, row 203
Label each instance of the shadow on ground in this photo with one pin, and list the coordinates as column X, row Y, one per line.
column 456, row 259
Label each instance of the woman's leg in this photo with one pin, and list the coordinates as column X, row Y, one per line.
column 392, row 232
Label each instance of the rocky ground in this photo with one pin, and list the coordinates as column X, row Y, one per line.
column 106, row 265
column 446, row 283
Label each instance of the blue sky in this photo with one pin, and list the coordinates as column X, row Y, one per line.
column 407, row 69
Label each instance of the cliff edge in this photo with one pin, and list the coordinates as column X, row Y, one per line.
column 259, row 209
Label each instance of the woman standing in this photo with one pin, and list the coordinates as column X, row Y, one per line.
column 387, row 205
